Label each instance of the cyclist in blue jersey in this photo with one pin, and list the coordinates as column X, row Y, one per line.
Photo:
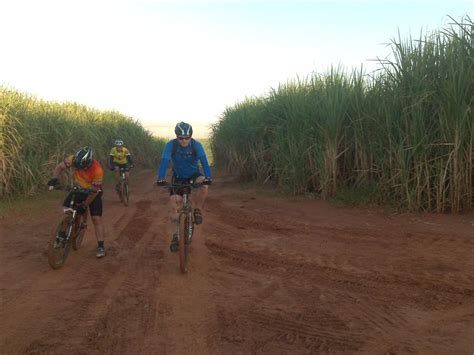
column 185, row 153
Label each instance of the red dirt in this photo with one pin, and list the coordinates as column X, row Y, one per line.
column 267, row 274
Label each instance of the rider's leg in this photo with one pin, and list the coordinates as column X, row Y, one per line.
column 175, row 203
column 198, row 200
column 201, row 194
column 99, row 233
column 98, row 228
column 96, row 214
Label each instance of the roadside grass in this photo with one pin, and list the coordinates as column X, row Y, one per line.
column 407, row 128
column 34, row 205
column 35, row 135
column 30, row 205
column 362, row 196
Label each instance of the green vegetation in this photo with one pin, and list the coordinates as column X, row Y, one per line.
column 207, row 148
column 35, row 135
column 406, row 131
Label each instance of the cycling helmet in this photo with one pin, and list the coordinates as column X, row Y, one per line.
column 183, row 129
column 83, row 158
column 119, row 142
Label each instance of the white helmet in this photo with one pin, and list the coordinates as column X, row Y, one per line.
column 119, row 142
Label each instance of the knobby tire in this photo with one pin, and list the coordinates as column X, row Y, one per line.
column 57, row 256
column 125, row 192
column 183, row 245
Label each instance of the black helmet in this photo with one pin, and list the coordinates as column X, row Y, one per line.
column 183, row 129
column 83, row 158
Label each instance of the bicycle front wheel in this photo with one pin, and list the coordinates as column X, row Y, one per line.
column 125, row 192
column 79, row 230
column 183, row 244
column 59, row 245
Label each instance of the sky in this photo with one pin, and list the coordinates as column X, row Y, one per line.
column 165, row 61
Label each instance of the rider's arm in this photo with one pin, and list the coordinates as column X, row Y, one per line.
column 203, row 158
column 129, row 159
column 111, row 161
column 59, row 169
column 165, row 158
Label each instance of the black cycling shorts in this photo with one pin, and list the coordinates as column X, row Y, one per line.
column 95, row 207
column 179, row 191
column 125, row 167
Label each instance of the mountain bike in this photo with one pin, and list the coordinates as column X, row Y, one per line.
column 70, row 231
column 185, row 221
column 124, row 191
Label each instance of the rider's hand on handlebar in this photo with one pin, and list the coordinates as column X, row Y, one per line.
column 160, row 182
column 207, row 181
column 53, row 183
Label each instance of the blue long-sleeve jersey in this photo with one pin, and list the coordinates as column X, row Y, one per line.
column 185, row 161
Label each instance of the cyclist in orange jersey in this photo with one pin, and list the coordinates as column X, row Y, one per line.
column 87, row 174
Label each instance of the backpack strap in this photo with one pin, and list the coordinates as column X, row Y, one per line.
column 175, row 147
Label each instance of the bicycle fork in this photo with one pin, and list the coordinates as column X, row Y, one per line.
column 189, row 227
column 69, row 218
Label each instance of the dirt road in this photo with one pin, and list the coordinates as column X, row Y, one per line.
column 268, row 274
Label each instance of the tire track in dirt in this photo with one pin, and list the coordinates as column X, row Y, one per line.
column 130, row 297
column 374, row 289
column 262, row 262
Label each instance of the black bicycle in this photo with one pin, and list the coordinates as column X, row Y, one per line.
column 123, row 190
column 70, row 231
column 185, row 222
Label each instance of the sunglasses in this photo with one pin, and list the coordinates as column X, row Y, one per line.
column 184, row 138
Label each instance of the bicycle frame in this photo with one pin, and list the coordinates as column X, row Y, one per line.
column 124, row 188
column 122, row 174
column 76, row 191
column 186, row 210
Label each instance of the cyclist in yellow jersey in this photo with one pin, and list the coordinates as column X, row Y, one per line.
column 120, row 157
column 87, row 174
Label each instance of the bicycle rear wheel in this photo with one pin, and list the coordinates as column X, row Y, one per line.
column 183, row 244
column 79, row 230
column 59, row 245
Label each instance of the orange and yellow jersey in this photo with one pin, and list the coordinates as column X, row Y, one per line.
column 120, row 157
column 87, row 179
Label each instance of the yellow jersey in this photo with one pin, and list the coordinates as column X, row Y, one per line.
column 91, row 178
column 120, row 157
